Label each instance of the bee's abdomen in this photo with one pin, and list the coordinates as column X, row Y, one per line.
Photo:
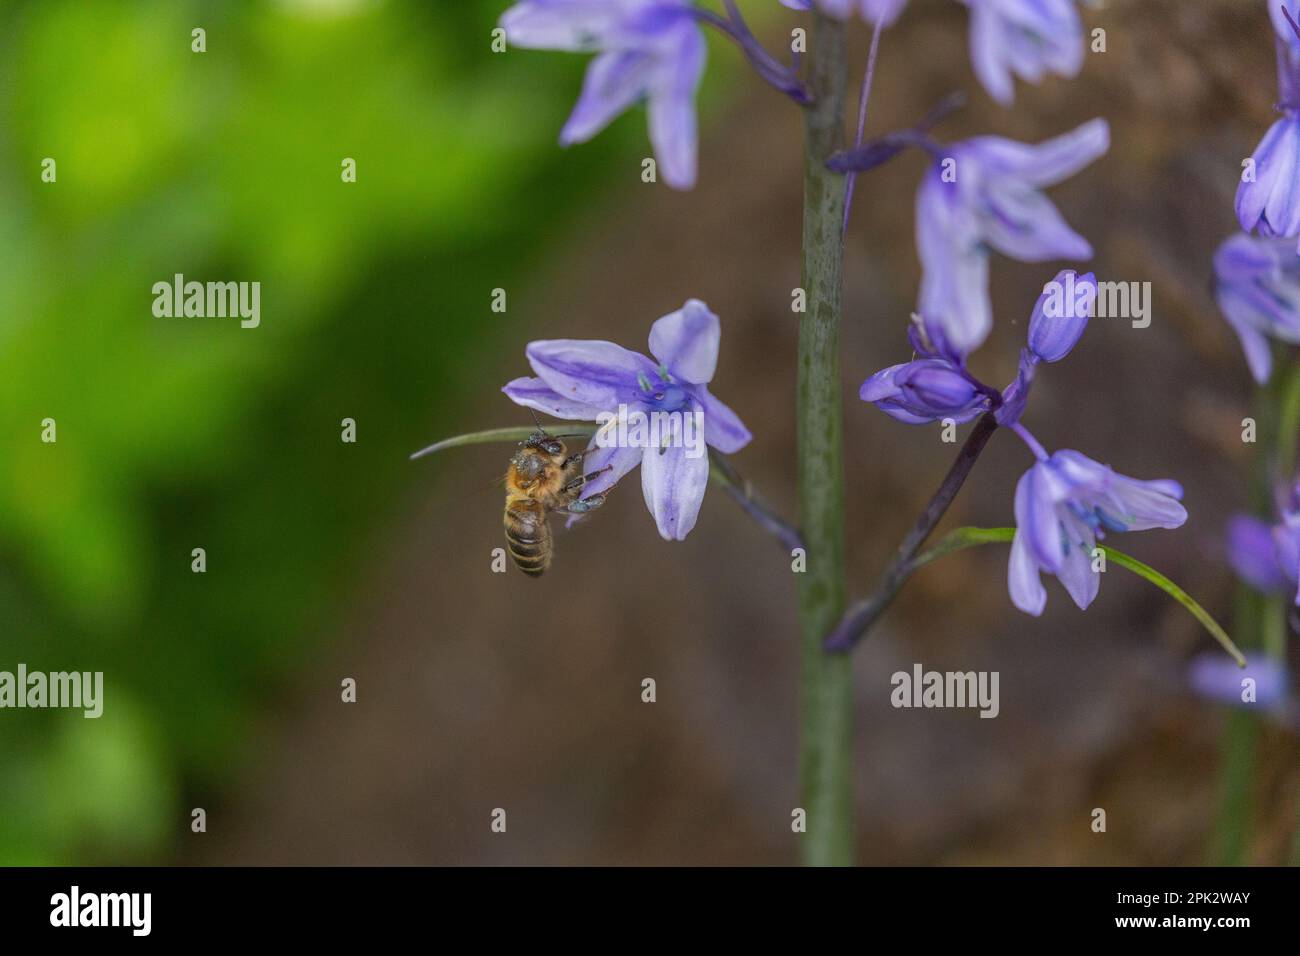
column 528, row 536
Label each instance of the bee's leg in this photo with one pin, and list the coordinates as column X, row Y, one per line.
column 583, row 479
column 583, row 505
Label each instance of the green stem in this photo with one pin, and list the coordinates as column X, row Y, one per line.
column 825, row 743
column 1259, row 620
column 963, row 538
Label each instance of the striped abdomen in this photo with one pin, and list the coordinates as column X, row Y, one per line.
column 528, row 536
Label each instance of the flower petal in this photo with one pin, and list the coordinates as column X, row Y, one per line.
column 614, row 82
column 686, row 342
column 1144, row 505
column 1030, row 38
column 1286, row 544
column 1036, row 516
column 936, row 385
column 882, row 12
column 1061, row 314
column 723, row 428
column 1242, row 314
column 572, row 25
column 1282, row 212
column 954, row 292
column 1253, row 555
column 589, row 372
column 1023, row 582
column 1257, row 286
column 620, row 460
column 535, row 393
column 987, row 55
column 673, row 126
column 1024, row 224
column 1216, row 677
column 1046, row 163
column 673, row 484
column 1076, row 572
column 1271, row 203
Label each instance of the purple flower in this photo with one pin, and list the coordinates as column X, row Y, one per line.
column 925, row 390
column 1268, row 197
column 1008, row 38
column 1269, row 200
column 1267, row 557
column 933, row 386
column 649, row 49
column 1285, row 32
column 1216, row 677
column 984, row 193
column 1024, row 38
column 1064, row 503
column 1257, row 284
column 936, row 384
column 1055, row 326
column 594, row 380
column 1061, row 314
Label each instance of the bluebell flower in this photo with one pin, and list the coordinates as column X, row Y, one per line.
column 925, row 390
column 1064, row 504
column 937, row 385
column 876, row 12
column 593, row 380
column 1024, row 38
column 1267, row 556
column 650, row 50
column 983, row 194
column 1216, row 677
column 1061, row 314
column 1055, row 326
column 1257, row 285
column 1268, row 200
column 934, row 385
column 1008, row 38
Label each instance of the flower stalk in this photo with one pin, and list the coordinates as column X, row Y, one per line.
column 863, row 615
column 825, row 741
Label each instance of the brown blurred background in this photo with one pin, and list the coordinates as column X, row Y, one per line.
column 479, row 690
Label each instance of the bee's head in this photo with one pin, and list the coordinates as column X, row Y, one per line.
column 538, row 452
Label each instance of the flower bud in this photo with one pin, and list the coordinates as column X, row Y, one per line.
column 1061, row 314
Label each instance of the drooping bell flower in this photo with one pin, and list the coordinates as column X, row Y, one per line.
column 1064, row 504
column 985, row 193
column 651, row 50
column 599, row 381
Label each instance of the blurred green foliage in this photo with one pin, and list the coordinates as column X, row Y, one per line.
column 180, row 433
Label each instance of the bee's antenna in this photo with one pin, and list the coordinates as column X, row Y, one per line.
column 537, row 421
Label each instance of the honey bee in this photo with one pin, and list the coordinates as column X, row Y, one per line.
column 542, row 478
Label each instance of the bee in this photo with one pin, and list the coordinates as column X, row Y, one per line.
column 542, row 478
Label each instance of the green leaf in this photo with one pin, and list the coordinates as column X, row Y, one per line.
column 963, row 538
column 514, row 433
